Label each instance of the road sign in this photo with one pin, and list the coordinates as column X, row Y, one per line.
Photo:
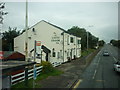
column 38, row 43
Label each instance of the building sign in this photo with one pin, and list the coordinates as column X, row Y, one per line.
column 55, row 39
column 1, row 54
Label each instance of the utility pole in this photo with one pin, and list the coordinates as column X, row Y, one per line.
column 88, row 38
column 87, row 41
column 63, row 47
column 26, row 32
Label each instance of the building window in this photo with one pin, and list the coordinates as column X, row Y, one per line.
column 68, row 40
column 71, row 39
column 58, row 55
column 79, row 41
column 53, row 53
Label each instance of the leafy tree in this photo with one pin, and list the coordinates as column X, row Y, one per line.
column 115, row 43
column 8, row 39
column 101, row 42
column 81, row 32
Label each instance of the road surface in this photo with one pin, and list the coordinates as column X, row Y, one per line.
column 100, row 73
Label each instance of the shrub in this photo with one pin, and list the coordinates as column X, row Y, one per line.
column 47, row 67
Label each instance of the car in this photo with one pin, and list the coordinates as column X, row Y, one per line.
column 117, row 66
column 105, row 53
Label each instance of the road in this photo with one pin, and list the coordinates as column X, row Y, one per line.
column 100, row 73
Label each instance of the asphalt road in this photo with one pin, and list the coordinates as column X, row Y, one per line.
column 100, row 73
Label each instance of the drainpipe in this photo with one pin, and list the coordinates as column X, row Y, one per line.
column 76, row 46
column 63, row 47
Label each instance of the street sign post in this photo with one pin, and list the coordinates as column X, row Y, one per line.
column 34, row 76
column 37, row 50
column 34, row 73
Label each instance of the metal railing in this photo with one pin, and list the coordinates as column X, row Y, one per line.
column 55, row 64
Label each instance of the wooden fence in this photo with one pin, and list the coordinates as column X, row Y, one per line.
column 19, row 77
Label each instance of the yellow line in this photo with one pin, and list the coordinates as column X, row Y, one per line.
column 77, row 84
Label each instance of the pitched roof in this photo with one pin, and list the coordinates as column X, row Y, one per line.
column 53, row 26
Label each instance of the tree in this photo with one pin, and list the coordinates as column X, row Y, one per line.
column 101, row 42
column 81, row 32
column 115, row 43
column 8, row 39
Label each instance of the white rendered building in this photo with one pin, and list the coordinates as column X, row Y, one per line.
column 57, row 45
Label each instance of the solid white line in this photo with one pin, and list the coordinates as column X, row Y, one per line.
column 98, row 60
column 115, row 59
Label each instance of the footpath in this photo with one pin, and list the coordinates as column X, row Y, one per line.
column 72, row 72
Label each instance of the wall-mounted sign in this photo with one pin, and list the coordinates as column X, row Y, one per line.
column 55, row 39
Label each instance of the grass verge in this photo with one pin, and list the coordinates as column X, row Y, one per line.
column 32, row 82
column 85, row 52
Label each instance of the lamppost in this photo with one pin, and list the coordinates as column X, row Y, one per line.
column 26, row 32
column 88, row 37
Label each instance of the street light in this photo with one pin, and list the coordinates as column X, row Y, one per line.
column 88, row 37
column 26, row 32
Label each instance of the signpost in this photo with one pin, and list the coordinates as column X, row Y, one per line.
column 34, row 76
column 37, row 50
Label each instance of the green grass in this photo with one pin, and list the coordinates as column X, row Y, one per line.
column 85, row 52
column 42, row 76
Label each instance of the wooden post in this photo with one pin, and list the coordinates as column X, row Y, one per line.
column 26, row 76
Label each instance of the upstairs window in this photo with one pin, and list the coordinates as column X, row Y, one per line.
column 58, row 55
column 68, row 40
column 79, row 42
column 71, row 39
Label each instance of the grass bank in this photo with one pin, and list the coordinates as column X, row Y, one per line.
column 32, row 82
column 87, row 52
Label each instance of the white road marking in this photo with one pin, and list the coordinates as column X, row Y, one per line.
column 115, row 59
column 98, row 60
column 94, row 74
column 96, row 69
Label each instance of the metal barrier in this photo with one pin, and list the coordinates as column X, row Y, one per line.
column 21, row 76
column 55, row 64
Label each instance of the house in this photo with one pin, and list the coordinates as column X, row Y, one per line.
column 56, row 44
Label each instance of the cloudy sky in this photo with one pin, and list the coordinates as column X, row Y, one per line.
column 103, row 16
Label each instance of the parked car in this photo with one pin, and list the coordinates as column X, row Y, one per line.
column 117, row 66
column 105, row 53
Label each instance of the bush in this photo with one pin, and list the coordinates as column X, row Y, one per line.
column 47, row 67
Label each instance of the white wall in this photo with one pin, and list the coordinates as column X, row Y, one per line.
column 46, row 33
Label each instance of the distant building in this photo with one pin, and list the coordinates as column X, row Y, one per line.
column 10, row 55
column 57, row 45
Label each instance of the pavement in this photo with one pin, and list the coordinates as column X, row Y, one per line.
column 72, row 72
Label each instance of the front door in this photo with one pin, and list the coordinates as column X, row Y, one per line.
column 46, row 56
